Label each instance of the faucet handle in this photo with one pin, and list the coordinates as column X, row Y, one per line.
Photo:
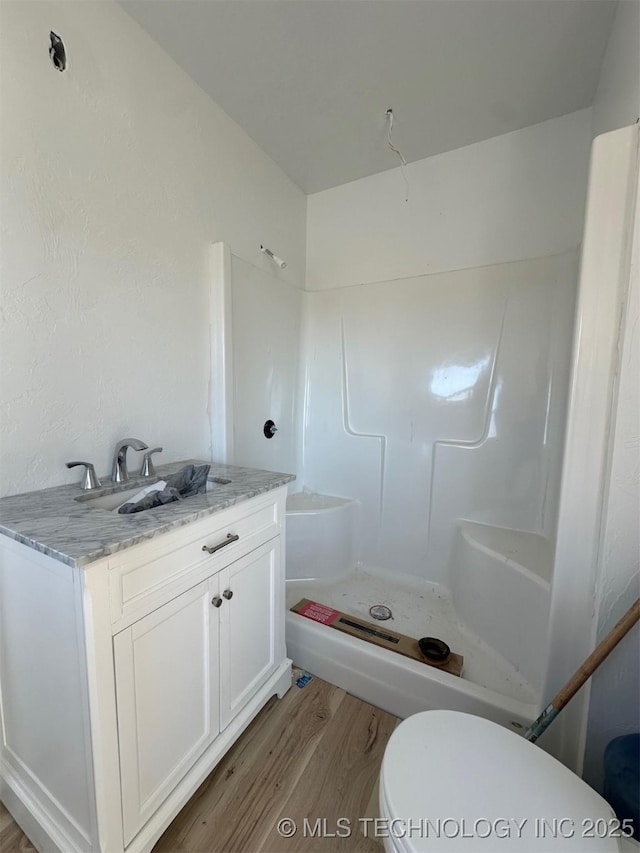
column 89, row 481
column 147, row 469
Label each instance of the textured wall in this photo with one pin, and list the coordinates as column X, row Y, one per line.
column 117, row 176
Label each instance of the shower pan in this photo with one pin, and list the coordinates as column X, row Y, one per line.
column 491, row 686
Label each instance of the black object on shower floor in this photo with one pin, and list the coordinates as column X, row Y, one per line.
column 436, row 651
column 386, row 639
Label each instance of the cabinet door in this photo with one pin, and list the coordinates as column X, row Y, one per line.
column 167, row 688
column 250, row 626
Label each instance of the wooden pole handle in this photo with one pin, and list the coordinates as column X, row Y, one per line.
column 601, row 651
column 584, row 672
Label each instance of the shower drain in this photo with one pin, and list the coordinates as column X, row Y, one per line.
column 380, row 611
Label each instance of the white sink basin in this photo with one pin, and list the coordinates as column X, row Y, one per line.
column 113, row 500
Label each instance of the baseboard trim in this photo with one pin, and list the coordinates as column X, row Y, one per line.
column 37, row 824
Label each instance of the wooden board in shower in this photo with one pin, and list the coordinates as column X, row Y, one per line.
column 378, row 634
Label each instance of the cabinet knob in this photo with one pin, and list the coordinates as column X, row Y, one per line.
column 228, row 593
column 216, row 601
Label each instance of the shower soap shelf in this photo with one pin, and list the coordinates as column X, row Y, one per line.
column 376, row 634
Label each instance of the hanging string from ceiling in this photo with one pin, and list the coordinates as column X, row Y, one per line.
column 403, row 162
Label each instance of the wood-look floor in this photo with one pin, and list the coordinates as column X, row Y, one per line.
column 312, row 756
column 12, row 838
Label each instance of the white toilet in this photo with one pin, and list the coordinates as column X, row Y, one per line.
column 455, row 782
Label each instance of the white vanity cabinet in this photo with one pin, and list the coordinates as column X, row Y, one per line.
column 178, row 649
column 184, row 671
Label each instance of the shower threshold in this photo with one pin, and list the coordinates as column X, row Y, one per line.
column 490, row 686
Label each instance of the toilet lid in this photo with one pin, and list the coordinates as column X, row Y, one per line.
column 453, row 781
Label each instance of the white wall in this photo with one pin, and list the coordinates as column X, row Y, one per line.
column 117, row 176
column 617, row 100
column 613, row 706
column 604, row 277
column 517, row 196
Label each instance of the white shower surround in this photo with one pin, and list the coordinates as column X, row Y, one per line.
column 438, row 404
column 438, row 398
column 453, row 404
column 571, row 617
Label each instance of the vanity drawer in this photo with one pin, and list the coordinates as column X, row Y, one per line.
column 149, row 574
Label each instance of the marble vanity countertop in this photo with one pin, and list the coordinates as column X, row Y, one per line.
column 53, row 522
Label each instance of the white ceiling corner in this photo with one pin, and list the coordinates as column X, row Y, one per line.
column 310, row 80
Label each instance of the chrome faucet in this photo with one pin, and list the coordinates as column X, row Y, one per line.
column 120, row 473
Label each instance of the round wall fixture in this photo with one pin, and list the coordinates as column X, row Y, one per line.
column 269, row 429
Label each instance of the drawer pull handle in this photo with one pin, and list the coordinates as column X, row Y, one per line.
column 216, row 601
column 211, row 549
column 228, row 593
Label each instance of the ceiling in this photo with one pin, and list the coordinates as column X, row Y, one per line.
column 310, row 80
